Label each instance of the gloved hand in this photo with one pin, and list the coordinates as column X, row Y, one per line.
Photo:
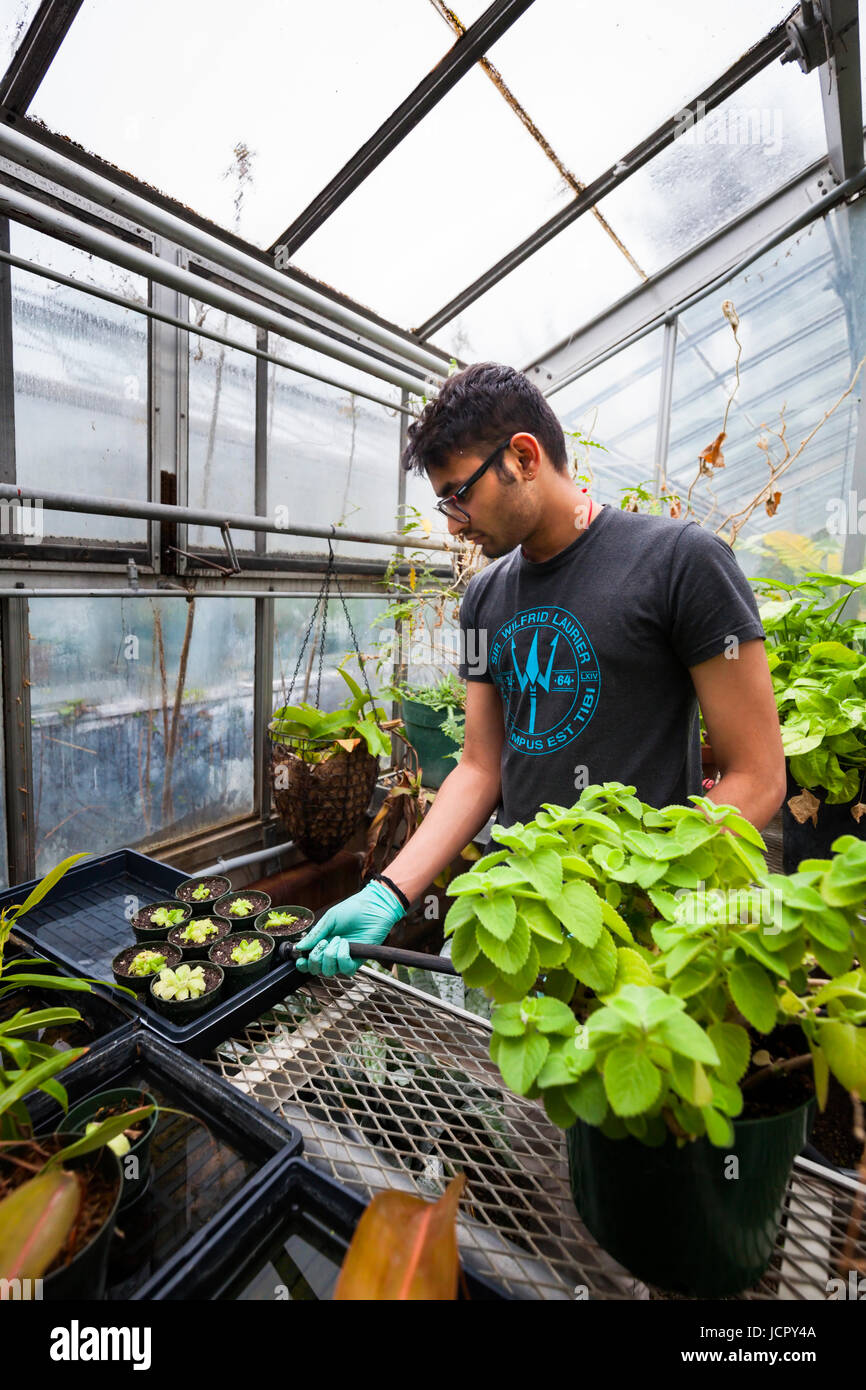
column 367, row 916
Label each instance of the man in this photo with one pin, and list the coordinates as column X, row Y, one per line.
column 589, row 644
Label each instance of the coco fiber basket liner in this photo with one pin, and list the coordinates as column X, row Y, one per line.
column 323, row 803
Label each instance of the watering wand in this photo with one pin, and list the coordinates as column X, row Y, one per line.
column 387, row 955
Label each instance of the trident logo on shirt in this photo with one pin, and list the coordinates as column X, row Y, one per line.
column 532, row 674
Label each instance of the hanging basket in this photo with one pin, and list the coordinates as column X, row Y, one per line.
column 321, row 804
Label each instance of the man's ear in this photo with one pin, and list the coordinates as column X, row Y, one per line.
column 527, row 451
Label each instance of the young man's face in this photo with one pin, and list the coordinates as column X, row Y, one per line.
column 499, row 508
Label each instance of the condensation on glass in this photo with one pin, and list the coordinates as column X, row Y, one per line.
column 222, row 423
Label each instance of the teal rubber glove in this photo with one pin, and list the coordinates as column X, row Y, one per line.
column 368, row 916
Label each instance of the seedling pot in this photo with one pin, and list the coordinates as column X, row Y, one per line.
column 679, row 1218
column 190, row 949
column 141, row 983
column 218, row 886
column 290, row 933
column 424, row 732
column 141, row 921
column 238, row 976
column 260, row 902
column 181, row 1010
column 80, row 1116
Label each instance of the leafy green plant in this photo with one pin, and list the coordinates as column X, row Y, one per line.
column 197, row 932
column 636, row 953
column 818, row 665
column 146, row 963
column 167, row 916
column 241, row 907
column 279, row 918
column 200, row 893
column 640, row 498
column 303, row 726
column 246, row 952
column 184, row 982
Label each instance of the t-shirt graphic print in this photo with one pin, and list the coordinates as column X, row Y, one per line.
column 544, row 655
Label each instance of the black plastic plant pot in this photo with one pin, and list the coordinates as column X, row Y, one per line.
column 99, row 1107
column 305, row 918
column 141, row 922
column 259, row 903
column 141, row 983
column 181, row 1010
column 808, row 841
column 193, row 950
column 84, row 1276
column 677, row 1218
column 217, row 888
column 239, row 976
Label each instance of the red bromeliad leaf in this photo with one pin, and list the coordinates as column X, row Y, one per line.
column 404, row 1248
column 35, row 1221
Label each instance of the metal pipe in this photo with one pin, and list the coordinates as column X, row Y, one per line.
column 199, row 330
column 15, row 144
column 111, row 248
column 164, row 511
column 174, row 593
column 257, row 857
column 796, row 224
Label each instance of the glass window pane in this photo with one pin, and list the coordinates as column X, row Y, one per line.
column 222, row 424
column 616, row 405
column 291, row 620
column 13, row 26
column 797, row 307
column 333, row 457
column 300, row 86
column 81, row 409
column 105, row 676
column 592, row 111
column 720, row 166
column 461, row 190
column 4, row 860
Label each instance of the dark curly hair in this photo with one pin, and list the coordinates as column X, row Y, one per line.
column 476, row 409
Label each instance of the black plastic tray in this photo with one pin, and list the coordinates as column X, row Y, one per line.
column 203, row 1170
column 297, row 1229
column 81, row 924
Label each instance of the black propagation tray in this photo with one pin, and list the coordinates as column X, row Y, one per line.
column 82, row 924
column 286, row 1243
column 220, row 1156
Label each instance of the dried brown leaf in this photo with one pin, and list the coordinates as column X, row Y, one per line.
column 804, row 807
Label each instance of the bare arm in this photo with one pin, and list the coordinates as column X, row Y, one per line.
column 466, row 799
column 736, row 698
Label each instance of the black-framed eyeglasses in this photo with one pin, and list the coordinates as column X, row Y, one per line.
column 449, row 506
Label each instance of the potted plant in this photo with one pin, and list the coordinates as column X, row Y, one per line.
column 132, row 1145
column 324, row 768
column 435, row 724
column 658, row 992
column 244, row 957
column 187, row 990
column 48, row 1185
column 201, row 893
column 818, row 665
column 242, row 909
column 193, row 939
column 285, row 922
column 155, row 921
column 135, row 966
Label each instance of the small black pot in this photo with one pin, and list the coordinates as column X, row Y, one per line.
column 260, row 903
column 84, row 1277
column 140, row 923
column 80, row 1116
column 141, row 983
column 191, row 950
column 180, row 1010
column 297, row 929
column 810, row 841
column 219, row 887
column 239, row 976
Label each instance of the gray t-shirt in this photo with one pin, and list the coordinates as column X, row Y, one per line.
column 590, row 653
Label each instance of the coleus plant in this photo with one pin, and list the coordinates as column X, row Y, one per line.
column 246, row 952
column 635, row 953
column 818, row 665
column 303, row 726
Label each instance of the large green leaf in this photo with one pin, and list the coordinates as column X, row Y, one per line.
column 521, row 1059
column 33, row 1078
column 497, row 914
column 596, row 967
column 35, row 1221
column 540, row 920
column 589, row 1099
column 731, row 1041
column 508, row 955
column 754, row 996
column 631, row 1080
column 543, row 869
column 578, row 907
column 44, row 886
column 682, row 1034
column 464, row 946
column 844, row 1046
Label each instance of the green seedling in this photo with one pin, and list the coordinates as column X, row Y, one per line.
column 241, row 907
column 281, row 919
column 167, row 916
column 185, row 982
column 198, row 932
column 247, row 951
column 146, row 963
column 200, row 893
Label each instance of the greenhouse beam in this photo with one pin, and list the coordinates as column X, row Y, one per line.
column 164, row 511
column 36, row 52
column 29, row 153
column 144, row 263
column 19, row 263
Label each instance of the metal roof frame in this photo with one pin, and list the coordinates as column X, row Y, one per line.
column 36, row 52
